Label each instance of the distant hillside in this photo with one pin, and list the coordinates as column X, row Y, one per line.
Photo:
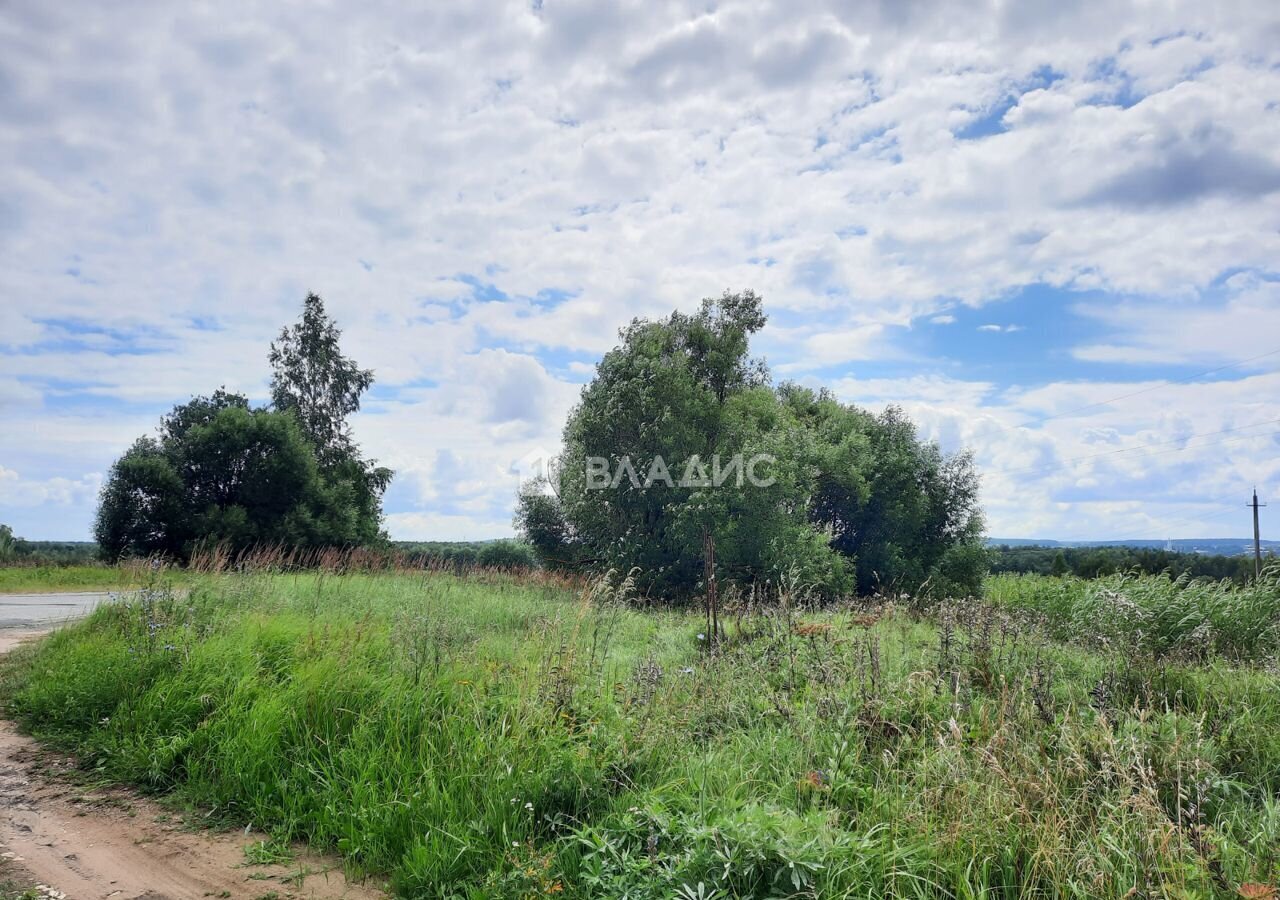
column 1218, row 546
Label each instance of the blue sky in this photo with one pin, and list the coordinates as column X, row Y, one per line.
column 996, row 216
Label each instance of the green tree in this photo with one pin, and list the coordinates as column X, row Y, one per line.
column 540, row 518
column 1059, row 567
column 238, row 476
column 312, row 379
column 680, row 392
column 849, row 494
column 509, row 555
column 7, row 543
column 142, row 509
column 907, row 513
column 222, row 472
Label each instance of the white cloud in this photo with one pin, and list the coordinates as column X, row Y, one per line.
column 436, row 527
column 1242, row 325
column 1173, row 461
column 16, row 491
column 175, row 182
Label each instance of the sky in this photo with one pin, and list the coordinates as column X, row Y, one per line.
column 994, row 215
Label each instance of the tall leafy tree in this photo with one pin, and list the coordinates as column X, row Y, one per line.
column 853, row 499
column 680, row 392
column 220, row 471
column 312, row 379
column 316, row 383
column 908, row 513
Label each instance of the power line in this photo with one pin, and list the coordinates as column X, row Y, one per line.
column 1246, row 437
column 1041, row 419
column 1121, row 450
column 1187, row 520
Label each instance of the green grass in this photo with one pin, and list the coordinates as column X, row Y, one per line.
column 491, row 737
column 34, row 579
column 1158, row 615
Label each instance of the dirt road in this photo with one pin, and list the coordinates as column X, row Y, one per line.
column 86, row 842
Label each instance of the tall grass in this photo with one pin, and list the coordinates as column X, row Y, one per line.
column 489, row 736
column 26, row 576
column 1156, row 614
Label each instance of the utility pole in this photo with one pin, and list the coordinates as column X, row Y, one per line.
column 1257, row 542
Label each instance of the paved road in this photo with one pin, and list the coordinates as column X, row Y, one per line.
column 18, row 610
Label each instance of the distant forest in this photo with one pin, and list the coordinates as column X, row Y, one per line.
column 15, row 550
column 1091, row 562
column 1083, row 562
column 460, row 555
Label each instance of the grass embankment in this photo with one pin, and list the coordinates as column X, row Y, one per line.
column 485, row 737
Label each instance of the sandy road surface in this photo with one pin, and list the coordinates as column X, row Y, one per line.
column 91, row 842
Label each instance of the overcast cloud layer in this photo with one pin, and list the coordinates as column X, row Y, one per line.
column 993, row 215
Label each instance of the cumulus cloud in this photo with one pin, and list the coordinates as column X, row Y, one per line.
column 485, row 195
column 19, row 492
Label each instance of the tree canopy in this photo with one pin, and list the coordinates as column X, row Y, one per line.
column 1097, row 562
column 842, row 499
column 314, row 381
column 220, row 471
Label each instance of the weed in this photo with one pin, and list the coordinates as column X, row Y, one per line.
column 268, row 853
column 488, row 735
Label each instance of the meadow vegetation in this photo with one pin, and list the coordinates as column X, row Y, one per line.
column 40, row 577
column 464, row 724
column 498, row 736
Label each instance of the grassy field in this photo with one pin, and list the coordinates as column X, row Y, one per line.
column 485, row 736
column 37, row 579
column 1159, row 617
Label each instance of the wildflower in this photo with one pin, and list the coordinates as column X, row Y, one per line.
column 529, row 806
column 701, row 636
column 1256, row 891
